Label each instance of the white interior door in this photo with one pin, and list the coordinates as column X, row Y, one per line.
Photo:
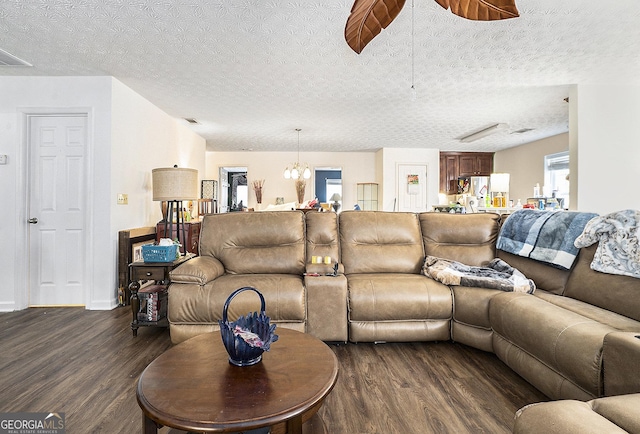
column 412, row 187
column 57, row 209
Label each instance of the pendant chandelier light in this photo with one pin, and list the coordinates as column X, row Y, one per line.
column 297, row 170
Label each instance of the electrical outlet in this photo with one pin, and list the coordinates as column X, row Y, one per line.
column 3, row 159
column 123, row 199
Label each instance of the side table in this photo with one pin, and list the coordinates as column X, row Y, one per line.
column 157, row 271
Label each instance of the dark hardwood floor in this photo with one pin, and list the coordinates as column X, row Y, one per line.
column 86, row 364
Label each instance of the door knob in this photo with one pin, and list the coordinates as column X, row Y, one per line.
column 33, row 221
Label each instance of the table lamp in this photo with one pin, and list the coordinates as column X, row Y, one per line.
column 499, row 183
column 173, row 185
column 335, row 198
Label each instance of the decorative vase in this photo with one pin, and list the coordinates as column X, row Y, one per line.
column 257, row 189
column 249, row 336
column 300, row 187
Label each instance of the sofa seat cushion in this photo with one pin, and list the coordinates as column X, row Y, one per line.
column 612, row 319
column 471, row 305
column 568, row 343
column 471, row 324
column 284, row 296
column 397, row 297
column 605, row 415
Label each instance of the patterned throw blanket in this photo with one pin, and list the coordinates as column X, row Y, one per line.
column 496, row 275
column 546, row 236
column 618, row 251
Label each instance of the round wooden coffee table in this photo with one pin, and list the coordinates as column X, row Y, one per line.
column 193, row 387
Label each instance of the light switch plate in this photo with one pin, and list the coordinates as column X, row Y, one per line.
column 123, row 199
column 3, row 159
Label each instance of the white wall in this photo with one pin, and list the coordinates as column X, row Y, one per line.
column 356, row 167
column 133, row 133
column 144, row 138
column 607, row 148
column 525, row 164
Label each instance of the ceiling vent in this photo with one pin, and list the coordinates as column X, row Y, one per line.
column 7, row 59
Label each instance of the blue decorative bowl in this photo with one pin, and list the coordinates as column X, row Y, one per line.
column 249, row 336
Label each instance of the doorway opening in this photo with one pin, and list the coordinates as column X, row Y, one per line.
column 234, row 190
column 328, row 181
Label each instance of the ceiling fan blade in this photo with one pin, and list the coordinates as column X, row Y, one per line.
column 482, row 10
column 367, row 19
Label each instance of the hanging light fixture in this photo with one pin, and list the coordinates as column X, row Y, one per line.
column 297, row 170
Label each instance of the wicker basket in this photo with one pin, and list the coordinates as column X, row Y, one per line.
column 153, row 253
column 249, row 336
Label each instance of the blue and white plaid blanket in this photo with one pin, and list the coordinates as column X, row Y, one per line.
column 546, row 236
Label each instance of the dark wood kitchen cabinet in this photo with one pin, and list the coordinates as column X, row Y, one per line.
column 448, row 173
column 475, row 164
column 454, row 165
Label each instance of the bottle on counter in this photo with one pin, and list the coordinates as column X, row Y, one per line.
column 552, row 203
column 498, row 200
column 536, row 190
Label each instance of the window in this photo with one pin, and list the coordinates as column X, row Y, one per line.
column 556, row 177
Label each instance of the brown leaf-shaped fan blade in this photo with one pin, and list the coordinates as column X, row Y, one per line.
column 367, row 19
column 482, row 10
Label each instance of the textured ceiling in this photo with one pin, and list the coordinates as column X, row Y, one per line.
column 251, row 71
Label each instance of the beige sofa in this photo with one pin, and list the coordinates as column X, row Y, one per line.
column 574, row 338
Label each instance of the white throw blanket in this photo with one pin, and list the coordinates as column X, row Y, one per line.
column 618, row 251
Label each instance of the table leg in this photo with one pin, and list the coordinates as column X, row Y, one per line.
column 135, row 305
column 149, row 426
column 294, row 425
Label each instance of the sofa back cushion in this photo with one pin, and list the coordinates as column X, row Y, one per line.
column 467, row 238
column 322, row 235
column 380, row 242
column 620, row 294
column 255, row 242
column 544, row 275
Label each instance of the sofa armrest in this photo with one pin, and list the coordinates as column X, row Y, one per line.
column 323, row 269
column 620, row 362
column 200, row 270
column 327, row 307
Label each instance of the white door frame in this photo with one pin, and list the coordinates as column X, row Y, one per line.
column 22, row 289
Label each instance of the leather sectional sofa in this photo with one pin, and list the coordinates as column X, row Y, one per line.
column 575, row 339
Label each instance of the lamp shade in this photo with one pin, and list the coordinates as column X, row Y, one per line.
column 336, row 197
column 499, row 182
column 174, row 183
